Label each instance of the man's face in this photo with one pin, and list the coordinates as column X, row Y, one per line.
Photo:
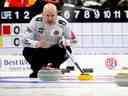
column 50, row 17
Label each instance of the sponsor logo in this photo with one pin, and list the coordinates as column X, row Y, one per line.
column 111, row 63
column 14, row 64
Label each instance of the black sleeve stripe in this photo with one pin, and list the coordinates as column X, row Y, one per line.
column 39, row 19
column 62, row 22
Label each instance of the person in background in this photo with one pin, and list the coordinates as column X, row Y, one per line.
column 2, row 2
column 17, row 3
column 111, row 3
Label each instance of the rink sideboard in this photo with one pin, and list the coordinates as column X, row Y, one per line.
column 15, row 65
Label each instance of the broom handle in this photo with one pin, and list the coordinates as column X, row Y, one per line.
column 77, row 65
column 68, row 53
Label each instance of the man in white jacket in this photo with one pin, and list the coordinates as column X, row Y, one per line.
column 42, row 40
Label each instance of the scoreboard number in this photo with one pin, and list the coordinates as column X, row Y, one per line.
column 16, row 42
column 17, row 14
column 26, row 15
column 86, row 14
column 77, row 12
column 67, row 14
column 16, row 29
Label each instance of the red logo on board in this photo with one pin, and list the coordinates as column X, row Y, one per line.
column 111, row 63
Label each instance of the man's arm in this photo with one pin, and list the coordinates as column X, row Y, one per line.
column 69, row 35
column 28, row 35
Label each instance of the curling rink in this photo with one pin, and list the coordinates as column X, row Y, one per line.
column 14, row 80
column 100, row 86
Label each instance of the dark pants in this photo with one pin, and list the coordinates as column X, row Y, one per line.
column 40, row 57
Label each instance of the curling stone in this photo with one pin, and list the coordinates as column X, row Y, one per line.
column 71, row 68
column 68, row 69
column 121, row 77
column 63, row 71
column 49, row 74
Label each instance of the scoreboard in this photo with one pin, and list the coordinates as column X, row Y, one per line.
column 101, row 25
column 98, row 14
column 11, row 35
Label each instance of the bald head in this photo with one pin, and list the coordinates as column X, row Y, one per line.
column 50, row 13
column 49, row 8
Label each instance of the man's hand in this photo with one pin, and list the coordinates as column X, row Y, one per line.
column 64, row 43
column 42, row 44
